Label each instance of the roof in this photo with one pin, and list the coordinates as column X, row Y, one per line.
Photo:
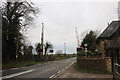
column 119, row 30
column 110, row 30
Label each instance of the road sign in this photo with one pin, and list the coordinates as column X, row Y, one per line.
column 51, row 51
column 40, row 50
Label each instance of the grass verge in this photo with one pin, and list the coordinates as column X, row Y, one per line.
column 19, row 64
column 89, row 71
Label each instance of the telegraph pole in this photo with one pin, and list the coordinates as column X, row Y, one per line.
column 78, row 41
column 42, row 41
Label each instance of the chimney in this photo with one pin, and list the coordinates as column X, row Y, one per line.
column 119, row 10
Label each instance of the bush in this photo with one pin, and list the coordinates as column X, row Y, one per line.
column 89, row 54
column 81, row 53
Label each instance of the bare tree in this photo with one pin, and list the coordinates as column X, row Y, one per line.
column 16, row 16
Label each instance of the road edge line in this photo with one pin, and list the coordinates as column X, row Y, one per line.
column 17, row 74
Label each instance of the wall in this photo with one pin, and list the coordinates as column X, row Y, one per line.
column 101, row 47
column 96, row 64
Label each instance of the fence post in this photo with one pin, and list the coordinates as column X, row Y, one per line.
column 114, row 71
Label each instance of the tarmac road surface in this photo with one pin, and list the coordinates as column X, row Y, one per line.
column 46, row 70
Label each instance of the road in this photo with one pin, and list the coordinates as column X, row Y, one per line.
column 46, row 70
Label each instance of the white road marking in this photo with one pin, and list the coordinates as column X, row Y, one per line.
column 17, row 74
column 44, row 63
column 0, row 78
column 13, row 68
column 38, row 64
column 52, row 76
column 66, row 67
column 59, row 72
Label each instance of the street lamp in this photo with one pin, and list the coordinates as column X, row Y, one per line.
column 64, row 48
column 85, row 47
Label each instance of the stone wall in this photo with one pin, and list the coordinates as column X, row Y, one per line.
column 96, row 64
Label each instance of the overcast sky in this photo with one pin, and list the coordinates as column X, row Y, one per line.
column 61, row 18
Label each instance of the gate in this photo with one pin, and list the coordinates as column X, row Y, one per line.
column 116, row 71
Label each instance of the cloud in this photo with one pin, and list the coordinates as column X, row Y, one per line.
column 61, row 18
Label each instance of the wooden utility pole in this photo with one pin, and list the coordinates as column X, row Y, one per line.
column 42, row 41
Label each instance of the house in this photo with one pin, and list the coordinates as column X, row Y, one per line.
column 108, row 43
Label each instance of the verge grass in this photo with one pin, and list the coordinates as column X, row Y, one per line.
column 19, row 64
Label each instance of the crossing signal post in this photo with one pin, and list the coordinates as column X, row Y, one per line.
column 78, row 48
column 40, row 50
